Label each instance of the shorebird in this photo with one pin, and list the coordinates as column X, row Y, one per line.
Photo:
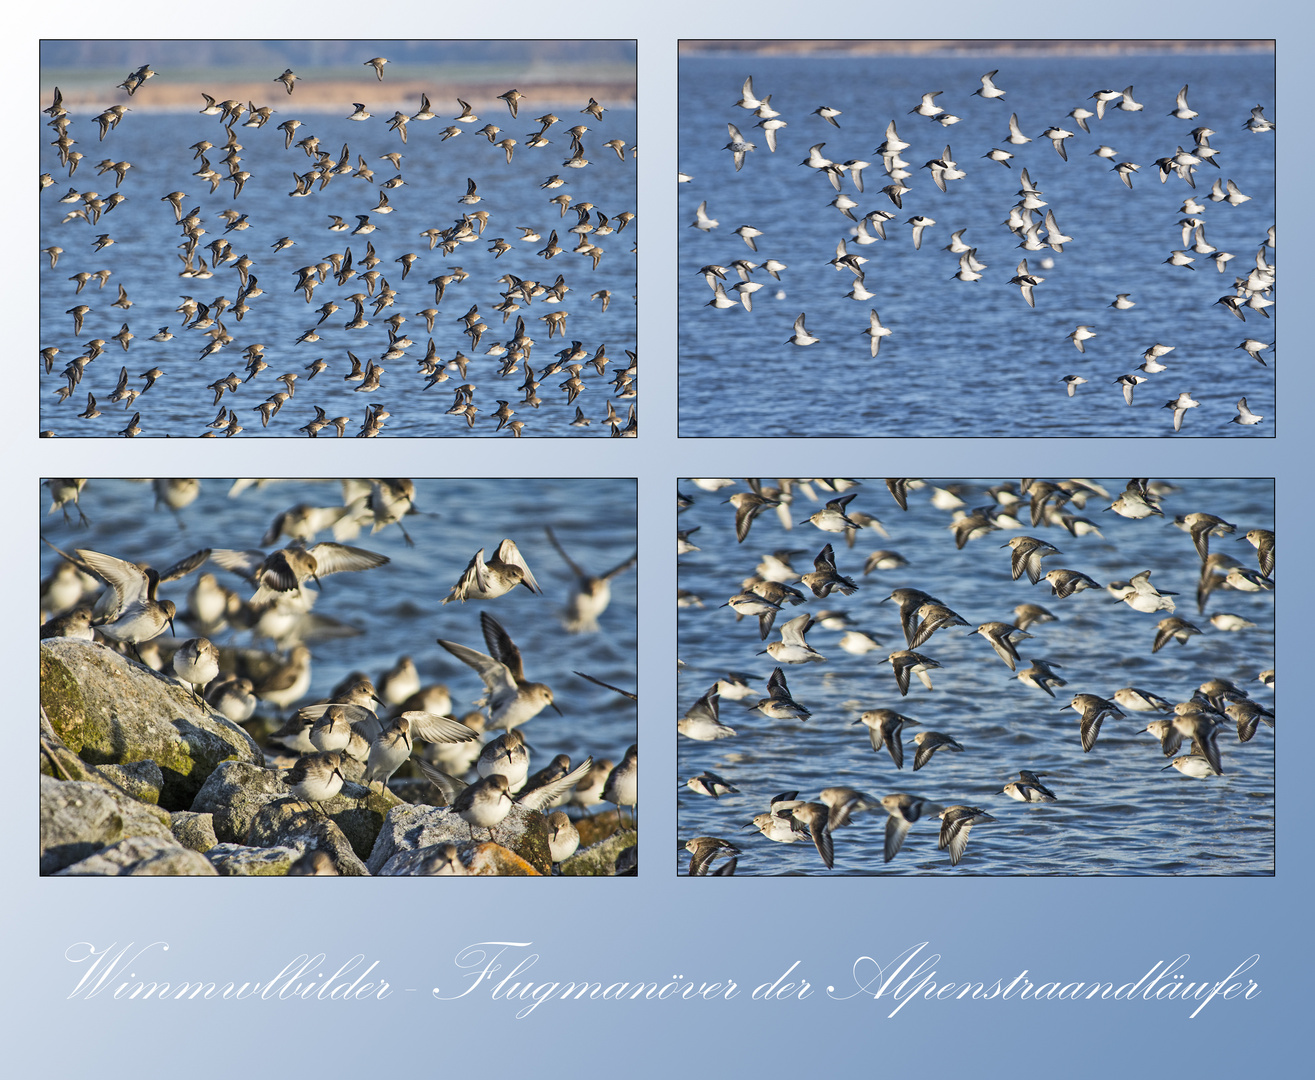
column 592, row 592
column 282, row 573
column 701, row 722
column 196, row 662
column 1180, row 405
column 316, row 778
column 989, row 90
column 487, row 581
column 956, row 821
column 1029, row 789
column 999, row 635
column 884, row 727
column 133, row 615
column 792, row 648
column 738, row 146
column 511, row 699
column 905, row 811
column 779, row 705
column 801, row 336
column 1093, row 710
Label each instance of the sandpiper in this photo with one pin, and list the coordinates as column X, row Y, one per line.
column 701, row 721
column 622, row 784
column 956, row 821
column 502, row 573
column 884, row 728
column 905, row 811
column 928, row 743
column 317, row 777
column 135, row 615
column 196, row 662
column 511, row 699
column 1029, row 789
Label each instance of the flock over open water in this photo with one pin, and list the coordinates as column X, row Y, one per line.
column 1080, row 672
column 398, row 270
column 978, row 246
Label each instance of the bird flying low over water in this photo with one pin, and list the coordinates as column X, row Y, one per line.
column 501, row 574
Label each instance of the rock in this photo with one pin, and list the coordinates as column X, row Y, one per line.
column 476, row 860
column 195, row 831
column 234, row 794
column 595, row 828
column 600, row 859
column 142, row 780
column 427, row 862
column 523, row 833
column 289, row 824
column 61, row 763
column 143, row 856
column 238, row 860
column 358, row 812
column 110, row 710
column 79, row 818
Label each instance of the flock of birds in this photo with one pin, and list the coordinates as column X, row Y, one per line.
column 867, row 240
column 373, row 270
column 378, row 723
column 1191, row 705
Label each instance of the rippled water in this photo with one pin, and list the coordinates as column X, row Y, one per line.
column 145, row 260
column 397, row 608
column 1118, row 811
column 971, row 358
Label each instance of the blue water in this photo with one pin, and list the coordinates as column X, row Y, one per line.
column 396, row 607
column 1118, row 812
column 971, row 358
column 145, row 259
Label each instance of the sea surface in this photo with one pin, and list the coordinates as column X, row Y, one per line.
column 396, row 609
column 1118, row 811
column 145, row 259
column 971, row 358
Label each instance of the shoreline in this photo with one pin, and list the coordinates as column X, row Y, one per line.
column 329, row 95
column 972, row 47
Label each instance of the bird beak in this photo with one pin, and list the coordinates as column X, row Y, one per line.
column 555, row 708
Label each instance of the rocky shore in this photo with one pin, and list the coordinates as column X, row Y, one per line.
column 137, row 778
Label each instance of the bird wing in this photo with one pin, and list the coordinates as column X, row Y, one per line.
column 494, row 674
column 430, row 727
column 501, row 646
column 542, row 796
column 509, row 554
column 127, row 580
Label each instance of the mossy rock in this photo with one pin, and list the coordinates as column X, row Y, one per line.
column 110, row 710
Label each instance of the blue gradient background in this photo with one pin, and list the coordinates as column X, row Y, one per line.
column 658, row 926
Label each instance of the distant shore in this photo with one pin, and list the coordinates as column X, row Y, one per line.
column 996, row 46
column 312, row 95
